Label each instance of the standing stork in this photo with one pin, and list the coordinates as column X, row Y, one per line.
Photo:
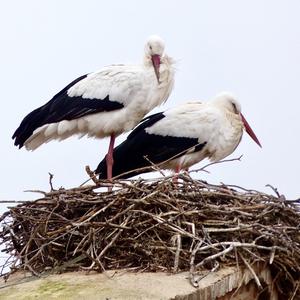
column 104, row 103
column 181, row 137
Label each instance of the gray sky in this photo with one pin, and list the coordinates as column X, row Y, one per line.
column 251, row 48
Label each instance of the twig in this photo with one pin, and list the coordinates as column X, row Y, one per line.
column 194, row 282
column 50, row 181
column 177, row 255
column 154, row 166
column 214, row 256
column 275, row 190
column 257, row 281
column 91, row 174
column 113, row 239
column 295, row 291
column 215, row 163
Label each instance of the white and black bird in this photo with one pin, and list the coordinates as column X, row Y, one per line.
column 105, row 103
column 181, row 137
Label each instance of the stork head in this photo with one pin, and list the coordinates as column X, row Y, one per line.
column 229, row 102
column 154, row 50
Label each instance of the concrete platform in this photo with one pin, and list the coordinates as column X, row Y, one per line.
column 121, row 285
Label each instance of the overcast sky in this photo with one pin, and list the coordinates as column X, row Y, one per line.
column 251, row 48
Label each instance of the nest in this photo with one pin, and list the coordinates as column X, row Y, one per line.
column 155, row 225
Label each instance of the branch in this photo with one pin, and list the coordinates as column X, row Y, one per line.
column 215, row 163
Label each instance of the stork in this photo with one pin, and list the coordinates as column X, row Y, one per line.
column 104, row 103
column 181, row 137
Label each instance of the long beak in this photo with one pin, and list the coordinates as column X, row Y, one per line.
column 156, row 63
column 250, row 131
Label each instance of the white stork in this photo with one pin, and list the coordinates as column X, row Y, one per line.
column 181, row 137
column 104, row 103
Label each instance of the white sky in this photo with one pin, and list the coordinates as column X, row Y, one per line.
column 251, row 48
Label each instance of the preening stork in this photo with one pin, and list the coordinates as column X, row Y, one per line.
column 104, row 103
column 181, row 137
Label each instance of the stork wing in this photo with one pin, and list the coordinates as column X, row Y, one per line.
column 88, row 94
column 141, row 147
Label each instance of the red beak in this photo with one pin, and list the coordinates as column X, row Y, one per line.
column 156, row 63
column 250, row 131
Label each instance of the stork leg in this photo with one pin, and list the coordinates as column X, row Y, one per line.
column 177, row 170
column 109, row 157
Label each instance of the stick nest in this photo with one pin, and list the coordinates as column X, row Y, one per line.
column 155, row 225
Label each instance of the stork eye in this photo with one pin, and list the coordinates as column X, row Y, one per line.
column 234, row 108
column 150, row 47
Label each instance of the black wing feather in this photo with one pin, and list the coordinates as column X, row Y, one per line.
column 130, row 154
column 62, row 107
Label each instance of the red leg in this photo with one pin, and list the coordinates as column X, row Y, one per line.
column 177, row 170
column 109, row 157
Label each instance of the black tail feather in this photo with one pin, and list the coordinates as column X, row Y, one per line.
column 31, row 122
